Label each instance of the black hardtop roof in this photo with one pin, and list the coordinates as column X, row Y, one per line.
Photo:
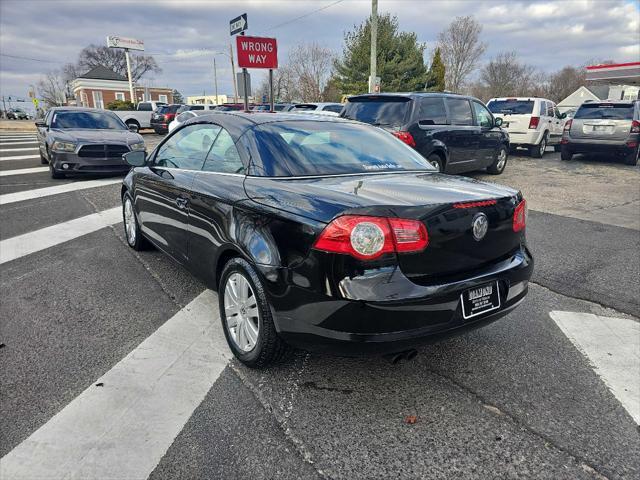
column 411, row 95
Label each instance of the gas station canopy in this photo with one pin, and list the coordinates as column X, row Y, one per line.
column 615, row 74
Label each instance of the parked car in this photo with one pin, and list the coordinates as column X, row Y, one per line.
column 277, row 107
column 141, row 116
column 611, row 127
column 318, row 106
column 187, row 115
column 455, row 133
column 326, row 234
column 532, row 123
column 204, row 106
column 17, row 114
column 85, row 140
column 163, row 116
column 228, row 107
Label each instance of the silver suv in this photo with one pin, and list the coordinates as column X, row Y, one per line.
column 604, row 127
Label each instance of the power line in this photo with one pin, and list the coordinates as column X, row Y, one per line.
column 304, row 16
column 29, row 58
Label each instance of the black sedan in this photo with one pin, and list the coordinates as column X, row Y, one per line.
column 326, row 234
column 83, row 140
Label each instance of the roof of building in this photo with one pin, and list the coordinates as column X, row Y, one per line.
column 600, row 91
column 101, row 72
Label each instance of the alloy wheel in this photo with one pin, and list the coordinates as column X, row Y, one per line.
column 502, row 159
column 241, row 312
column 129, row 221
column 543, row 145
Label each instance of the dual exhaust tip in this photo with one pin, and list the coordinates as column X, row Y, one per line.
column 395, row 358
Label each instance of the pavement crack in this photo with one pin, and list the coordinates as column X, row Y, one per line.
column 282, row 419
column 502, row 412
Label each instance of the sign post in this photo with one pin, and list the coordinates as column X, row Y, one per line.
column 127, row 44
column 258, row 52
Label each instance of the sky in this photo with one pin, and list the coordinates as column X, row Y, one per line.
column 184, row 34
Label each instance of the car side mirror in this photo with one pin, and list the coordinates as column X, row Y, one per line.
column 135, row 159
column 133, row 127
column 41, row 124
column 497, row 122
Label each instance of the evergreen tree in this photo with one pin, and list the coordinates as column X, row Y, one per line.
column 177, row 97
column 400, row 62
column 435, row 76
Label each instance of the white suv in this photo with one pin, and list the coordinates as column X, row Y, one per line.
column 532, row 122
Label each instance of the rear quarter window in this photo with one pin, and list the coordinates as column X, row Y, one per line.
column 431, row 111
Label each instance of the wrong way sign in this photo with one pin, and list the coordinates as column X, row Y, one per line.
column 257, row 52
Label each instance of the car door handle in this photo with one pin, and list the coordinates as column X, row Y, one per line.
column 181, row 202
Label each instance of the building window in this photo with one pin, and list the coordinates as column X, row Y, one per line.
column 97, row 99
column 162, row 98
column 120, row 96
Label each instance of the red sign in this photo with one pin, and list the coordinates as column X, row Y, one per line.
column 257, row 52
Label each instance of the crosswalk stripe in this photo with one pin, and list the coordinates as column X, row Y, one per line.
column 55, row 190
column 28, row 243
column 22, row 171
column 10, row 137
column 123, row 428
column 612, row 346
column 18, row 142
column 19, row 157
column 3, row 150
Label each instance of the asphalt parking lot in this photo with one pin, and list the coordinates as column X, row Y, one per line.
column 525, row 397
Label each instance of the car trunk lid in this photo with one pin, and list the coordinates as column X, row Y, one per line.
column 606, row 121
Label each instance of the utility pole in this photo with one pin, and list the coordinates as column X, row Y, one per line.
column 215, row 78
column 126, row 54
column 374, row 45
column 233, row 72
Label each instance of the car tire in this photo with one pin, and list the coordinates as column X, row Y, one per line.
column 55, row 174
column 436, row 161
column 267, row 348
column 499, row 161
column 632, row 158
column 565, row 154
column 537, row 151
column 132, row 233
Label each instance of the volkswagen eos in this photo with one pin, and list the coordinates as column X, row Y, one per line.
column 326, row 234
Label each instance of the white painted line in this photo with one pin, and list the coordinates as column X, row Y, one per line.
column 19, row 157
column 22, row 171
column 55, row 190
column 612, row 346
column 18, row 142
column 4, row 150
column 28, row 243
column 18, row 135
column 123, row 428
column 4, row 140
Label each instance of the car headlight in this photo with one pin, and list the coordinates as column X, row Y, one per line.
column 63, row 147
column 137, row 147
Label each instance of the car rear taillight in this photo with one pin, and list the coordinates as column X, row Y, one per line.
column 520, row 216
column 533, row 123
column 169, row 116
column 567, row 126
column 367, row 238
column 635, row 126
column 406, row 137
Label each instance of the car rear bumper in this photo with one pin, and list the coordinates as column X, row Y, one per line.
column 358, row 323
column 160, row 127
column 86, row 165
column 525, row 138
column 617, row 147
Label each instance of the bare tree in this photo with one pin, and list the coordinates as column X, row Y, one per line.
column 505, row 75
column 114, row 59
column 564, row 82
column 52, row 88
column 311, row 67
column 461, row 50
column 283, row 86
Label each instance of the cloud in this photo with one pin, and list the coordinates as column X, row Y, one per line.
column 183, row 35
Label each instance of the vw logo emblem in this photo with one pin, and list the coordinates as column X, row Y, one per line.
column 480, row 225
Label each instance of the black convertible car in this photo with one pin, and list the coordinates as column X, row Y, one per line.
column 326, row 234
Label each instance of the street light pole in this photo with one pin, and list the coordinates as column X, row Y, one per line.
column 215, row 77
column 374, row 45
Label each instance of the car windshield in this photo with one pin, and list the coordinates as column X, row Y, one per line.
column 87, row 120
column 308, row 147
column 376, row 111
column 512, row 107
column 623, row 111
